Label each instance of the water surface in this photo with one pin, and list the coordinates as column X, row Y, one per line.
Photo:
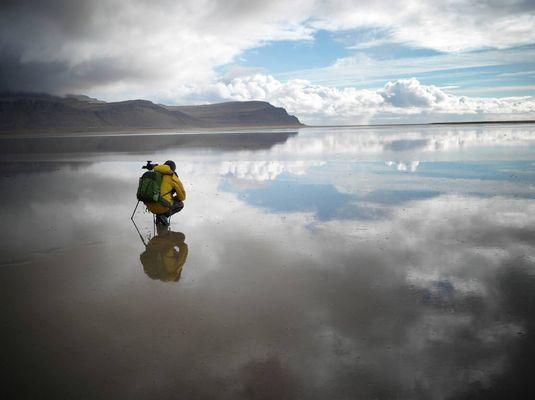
column 323, row 263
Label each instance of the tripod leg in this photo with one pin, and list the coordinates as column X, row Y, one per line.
column 132, row 217
column 139, row 233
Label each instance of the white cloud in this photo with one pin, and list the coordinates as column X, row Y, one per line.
column 362, row 69
column 449, row 25
column 404, row 97
column 125, row 49
column 403, row 165
column 410, row 93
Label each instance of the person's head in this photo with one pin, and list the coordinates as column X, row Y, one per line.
column 171, row 164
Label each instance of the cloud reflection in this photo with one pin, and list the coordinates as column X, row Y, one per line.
column 410, row 166
column 432, row 300
column 265, row 170
column 406, row 140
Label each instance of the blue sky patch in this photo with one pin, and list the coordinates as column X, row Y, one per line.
column 305, row 54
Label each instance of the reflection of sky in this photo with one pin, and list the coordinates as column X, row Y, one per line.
column 325, row 201
column 314, row 191
column 518, row 171
column 322, row 200
column 407, row 286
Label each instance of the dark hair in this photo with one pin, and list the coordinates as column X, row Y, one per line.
column 171, row 164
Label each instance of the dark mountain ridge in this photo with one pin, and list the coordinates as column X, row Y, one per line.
column 236, row 113
column 21, row 111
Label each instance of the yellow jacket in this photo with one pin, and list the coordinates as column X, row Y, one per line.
column 170, row 183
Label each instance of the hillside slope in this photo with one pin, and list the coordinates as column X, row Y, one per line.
column 238, row 113
column 41, row 111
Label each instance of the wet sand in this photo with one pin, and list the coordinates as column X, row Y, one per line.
column 330, row 263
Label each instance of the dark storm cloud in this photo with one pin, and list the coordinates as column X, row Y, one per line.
column 52, row 77
column 59, row 46
column 70, row 17
column 42, row 28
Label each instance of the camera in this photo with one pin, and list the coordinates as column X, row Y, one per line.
column 149, row 166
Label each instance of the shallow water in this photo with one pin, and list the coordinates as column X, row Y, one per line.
column 325, row 263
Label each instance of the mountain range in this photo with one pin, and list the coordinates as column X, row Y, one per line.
column 23, row 111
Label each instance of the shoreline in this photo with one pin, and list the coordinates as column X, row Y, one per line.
column 61, row 132
column 530, row 121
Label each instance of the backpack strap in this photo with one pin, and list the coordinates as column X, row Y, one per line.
column 164, row 202
column 165, row 194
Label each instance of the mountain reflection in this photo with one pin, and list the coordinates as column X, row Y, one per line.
column 141, row 142
column 165, row 255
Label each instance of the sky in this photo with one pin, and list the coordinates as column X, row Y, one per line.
column 327, row 62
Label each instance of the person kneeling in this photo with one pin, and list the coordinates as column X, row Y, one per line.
column 172, row 194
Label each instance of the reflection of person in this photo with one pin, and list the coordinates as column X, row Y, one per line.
column 172, row 192
column 161, row 259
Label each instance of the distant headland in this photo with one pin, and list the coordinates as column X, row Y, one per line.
column 32, row 112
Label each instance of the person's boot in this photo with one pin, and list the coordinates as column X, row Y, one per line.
column 162, row 220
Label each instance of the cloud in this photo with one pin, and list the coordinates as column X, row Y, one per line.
column 120, row 49
column 265, row 170
column 403, row 165
column 445, row 26
column 410, row 93
column 404, row 97
column 362, row 68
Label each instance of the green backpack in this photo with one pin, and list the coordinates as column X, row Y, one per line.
column 148, row 189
